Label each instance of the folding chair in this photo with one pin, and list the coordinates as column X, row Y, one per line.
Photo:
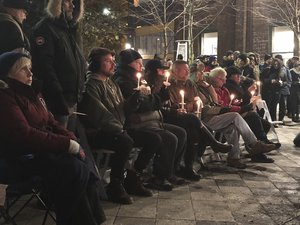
column 16, row 191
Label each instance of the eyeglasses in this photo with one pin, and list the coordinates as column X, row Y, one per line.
column 221, row 79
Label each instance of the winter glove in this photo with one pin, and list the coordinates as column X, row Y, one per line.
column 224, row 110
column 76, row 150
column 246, row 108
column 164, row 94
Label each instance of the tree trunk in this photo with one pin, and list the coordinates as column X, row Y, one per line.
column 297, row 45
column 190, row 32
column 165, row 44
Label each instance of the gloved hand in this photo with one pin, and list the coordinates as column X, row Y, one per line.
column 224, row 110
column 164, row 94
column 76, row 150
column 246, row 108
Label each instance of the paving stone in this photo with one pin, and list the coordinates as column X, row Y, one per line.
column 266, row 191
column 287, row 185
column 205, row 222
column 180, row 192
column 281, row 212
column 272, row 200
column 175, row 209
column 212, row 211
column 132, row 220
column 110, row 209
column 228, row 189
column 143, row 207
column 259, row 184
column 175, row 222
column 230, row 182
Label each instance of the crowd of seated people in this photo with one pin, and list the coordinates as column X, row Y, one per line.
column 123, row 107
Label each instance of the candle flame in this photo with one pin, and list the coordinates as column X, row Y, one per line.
column 138, row 75
column 252, row 93
column 232, row 96
column 167, row 73
column 181, row 92
column 258, row 83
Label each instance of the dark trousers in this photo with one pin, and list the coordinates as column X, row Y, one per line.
column 272, row 99
column 259, row 126
column 282, row 106
column 160, row 143
column 192, row 126
column 70, row 183
column 295, row 101
column 121, row 144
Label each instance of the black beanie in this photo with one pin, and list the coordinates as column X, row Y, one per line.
column 17, row 4
column 128, row 56
column 232, row 70
column 7, row 60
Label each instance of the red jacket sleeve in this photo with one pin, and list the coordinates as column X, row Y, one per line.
column 19, row 134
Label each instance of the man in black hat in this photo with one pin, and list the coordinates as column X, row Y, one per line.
column 12, row 15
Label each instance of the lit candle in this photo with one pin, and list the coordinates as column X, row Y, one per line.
column 252, row 93
column 182, row 98
column 258, row 88
column 167, row 76
column 199, row 105
column 138, row 75
column 231, row 99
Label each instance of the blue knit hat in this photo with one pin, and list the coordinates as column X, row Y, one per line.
column 7, row 60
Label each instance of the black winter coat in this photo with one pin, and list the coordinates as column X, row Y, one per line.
column 58, row 62
column 12, row 37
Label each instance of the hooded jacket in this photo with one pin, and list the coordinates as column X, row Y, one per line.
column 57, row 58
column 12, row 36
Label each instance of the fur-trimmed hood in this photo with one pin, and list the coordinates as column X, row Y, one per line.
column 3, row 84
column 53, row 9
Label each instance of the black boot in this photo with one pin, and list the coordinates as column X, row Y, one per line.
column 116, row 192
column 215, row 145
column 134, row 185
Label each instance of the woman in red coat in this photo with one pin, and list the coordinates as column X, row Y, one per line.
column 34, row 143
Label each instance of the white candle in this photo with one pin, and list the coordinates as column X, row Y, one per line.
column 138, row 75
column 167, row 76
column 182, row 98
column 231, row 99
column 199, row 105
column 258, row 87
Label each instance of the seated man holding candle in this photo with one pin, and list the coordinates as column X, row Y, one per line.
column 144, row 121
column 198, row 136
column 103, row 103
column 217, row 118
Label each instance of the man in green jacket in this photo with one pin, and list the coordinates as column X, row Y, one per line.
column 103, row 103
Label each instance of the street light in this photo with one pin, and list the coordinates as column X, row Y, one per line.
column 127, row 46
column 106, row 11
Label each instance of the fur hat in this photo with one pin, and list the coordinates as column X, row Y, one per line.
column 232, row 70
column 17, row 4
column 7, row 60
column 128, row 56
column 53, row 9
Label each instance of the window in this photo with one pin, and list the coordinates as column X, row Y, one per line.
column 209, row 43
column 283, row 42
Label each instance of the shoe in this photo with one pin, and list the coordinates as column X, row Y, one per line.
column 236, row 163
column 134, row 186
column 221, row 147
column 116, row 192
column 188, row 174
column 160, row 184
column 261, row 158
column 260, row 147
column 277, row 144
column 176, row 180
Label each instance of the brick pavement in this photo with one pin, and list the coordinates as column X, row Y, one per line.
column 262, row 194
